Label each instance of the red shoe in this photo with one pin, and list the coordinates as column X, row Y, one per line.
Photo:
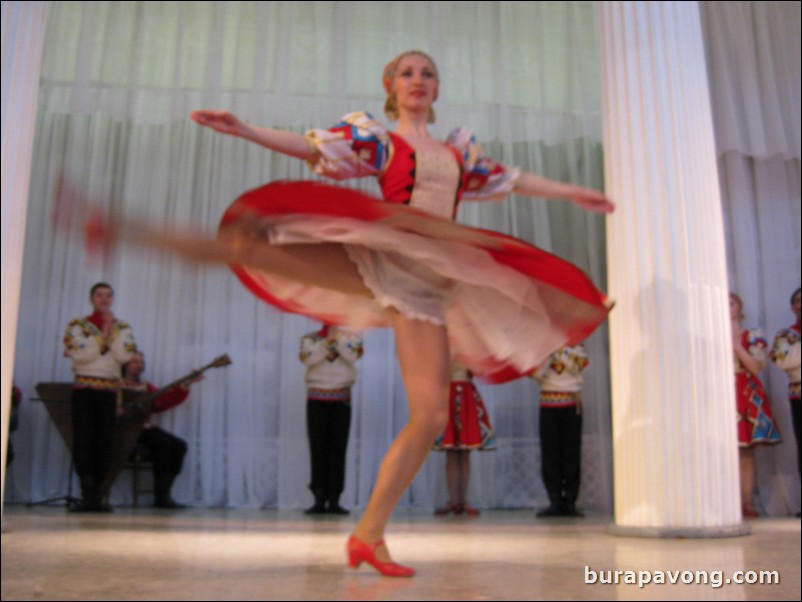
column 749, row 511
column 470, row 510
column 451, row 508
column 359, row 552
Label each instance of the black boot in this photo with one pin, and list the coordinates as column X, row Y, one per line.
column 88, row 493
column 550, row 511
column 82, row 505
column 320, row 503
column 555, row 505
column 161, row 494
column 334, row 507
column 90, row 497
column 570, row 509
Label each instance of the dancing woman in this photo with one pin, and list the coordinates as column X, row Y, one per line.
column 493, row 303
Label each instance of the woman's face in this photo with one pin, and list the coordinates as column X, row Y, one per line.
column 735, row 309
column 415, row 83
column 796, row 304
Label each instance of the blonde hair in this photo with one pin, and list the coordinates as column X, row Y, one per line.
column 391, row 103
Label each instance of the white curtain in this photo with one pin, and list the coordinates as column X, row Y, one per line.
column 753, row 56
column 22, row 34
column 119, row 79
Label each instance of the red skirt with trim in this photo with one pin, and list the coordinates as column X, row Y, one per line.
column 468, row 422
column 755, row 420
column 506, row 304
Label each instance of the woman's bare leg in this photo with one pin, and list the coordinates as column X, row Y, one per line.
column 325, row 264
column 746, row 458
column 423, row 355
column 245, row 243
column 464, row 474
column 453, row 477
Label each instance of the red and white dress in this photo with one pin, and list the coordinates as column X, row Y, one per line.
column 755, row 420
column 468, row 426
column 506, row 304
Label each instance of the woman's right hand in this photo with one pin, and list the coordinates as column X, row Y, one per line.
column 220, row 121
column 289, row 143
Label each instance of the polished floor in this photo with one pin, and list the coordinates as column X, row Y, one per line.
column 144, row 554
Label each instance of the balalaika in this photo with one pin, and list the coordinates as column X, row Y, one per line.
column 138, row 405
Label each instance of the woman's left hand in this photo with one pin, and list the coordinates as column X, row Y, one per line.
column 592, row 200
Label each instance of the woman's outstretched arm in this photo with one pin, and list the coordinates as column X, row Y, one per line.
column 281, row 141
column 533, row 185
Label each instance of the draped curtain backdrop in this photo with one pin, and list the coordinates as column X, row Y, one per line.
column 753, row 56
column 118, row 81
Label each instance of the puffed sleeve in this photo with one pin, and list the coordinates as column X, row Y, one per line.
column 83, row 343
column 486, row 180
column 168, row 399
column 313, row 350
column 575, row 359
column 356, row 147
column 785, row 352
column 757, row 346
column 349, row 345
column 121, row 344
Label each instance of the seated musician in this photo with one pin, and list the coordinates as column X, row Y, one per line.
column 166, row 450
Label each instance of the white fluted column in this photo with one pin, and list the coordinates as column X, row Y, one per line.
column 674, row 437
column 23, row 34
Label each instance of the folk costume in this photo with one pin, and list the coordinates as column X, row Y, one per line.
column 755, row 421
column 785, row 353
column 330, row 374
column 166, row 451
column 560, row 379
column 97, row 363
column 505, row 304
column 468, row 426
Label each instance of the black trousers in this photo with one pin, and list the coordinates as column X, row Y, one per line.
column 560, row 452
column 165, row 449
column 328, row 423
column 796, row 412
column 93, row 419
